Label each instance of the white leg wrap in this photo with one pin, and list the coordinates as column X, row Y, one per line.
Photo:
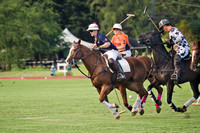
column 190, row 101
column 107, row 104
column 112, row 110
column 135, row 105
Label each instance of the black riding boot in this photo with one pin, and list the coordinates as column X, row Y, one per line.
column 115, row 65
column 177, row 70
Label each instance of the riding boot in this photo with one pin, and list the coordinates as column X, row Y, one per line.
column 177, row 70
column 115, row 65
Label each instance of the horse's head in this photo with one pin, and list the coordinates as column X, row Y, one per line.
column 195, row 56
column 75, row 53
column 149, row 39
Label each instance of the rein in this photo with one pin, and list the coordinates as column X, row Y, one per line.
column 150, row 43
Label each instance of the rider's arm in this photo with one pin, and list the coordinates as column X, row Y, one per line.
column 121, row 47
column 105, row 45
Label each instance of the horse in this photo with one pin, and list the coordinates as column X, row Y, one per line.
column 148, row 64
column 195, row 62
column 163, row 68
column 102, row 78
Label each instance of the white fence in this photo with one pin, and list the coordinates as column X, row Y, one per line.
column 62, row 67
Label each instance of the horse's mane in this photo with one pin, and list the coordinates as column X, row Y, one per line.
column 159, row 40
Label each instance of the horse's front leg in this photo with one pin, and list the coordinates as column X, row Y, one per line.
column 105, row 90
column 170, row 87
column 194, row 85
column 99, row 91
column 153, row 98
column 158, row 100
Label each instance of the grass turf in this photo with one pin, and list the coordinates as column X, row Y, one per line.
column 72, row 106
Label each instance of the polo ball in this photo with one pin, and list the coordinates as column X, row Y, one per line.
column 130, row 96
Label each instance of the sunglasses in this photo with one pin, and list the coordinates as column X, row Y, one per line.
column 91, row 30
column 116, row 29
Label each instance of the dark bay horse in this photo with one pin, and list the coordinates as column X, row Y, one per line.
column 148, row 64
column 163, row 68
column 195, row 62
column 102, row 78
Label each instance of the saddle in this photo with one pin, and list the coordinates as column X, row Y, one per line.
column 122, row 62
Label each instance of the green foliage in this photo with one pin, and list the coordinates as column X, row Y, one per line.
column 184, row 27
column 107, row 13
column 31, row 29
column 26, row 29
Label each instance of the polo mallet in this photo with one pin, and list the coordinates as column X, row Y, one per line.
column 129, row 15
column 122, row 111
column 145, row 12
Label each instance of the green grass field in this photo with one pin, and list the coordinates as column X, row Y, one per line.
column 72, row 106
column 38, row 72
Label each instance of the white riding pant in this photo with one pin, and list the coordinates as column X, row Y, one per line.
column 112, row 54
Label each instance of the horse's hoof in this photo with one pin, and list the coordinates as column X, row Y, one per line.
column 117, row 117
column 182, row 110
column 158, row 109
column 159, row 102
column 142, row 112
column 134, row 113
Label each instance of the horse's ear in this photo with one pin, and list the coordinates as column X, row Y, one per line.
column 79, row 41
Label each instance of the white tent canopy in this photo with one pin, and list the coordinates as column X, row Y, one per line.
column 69, row 37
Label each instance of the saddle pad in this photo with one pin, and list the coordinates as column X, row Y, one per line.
column 124, row 64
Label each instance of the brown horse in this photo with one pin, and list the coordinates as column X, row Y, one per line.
column 148, row 64
column 195, row 63
column 102, row 77
column 163, row 68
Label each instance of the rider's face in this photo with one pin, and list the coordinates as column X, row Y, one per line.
column 165, row 28
column 116, row 31
column 93, row 33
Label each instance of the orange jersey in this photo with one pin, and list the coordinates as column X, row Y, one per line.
column 121, row 40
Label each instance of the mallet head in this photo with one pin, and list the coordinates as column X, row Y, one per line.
column 145, row 10
column 130, row 15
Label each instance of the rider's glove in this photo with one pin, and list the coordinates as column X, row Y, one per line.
column 97, row 48
column 169, row 43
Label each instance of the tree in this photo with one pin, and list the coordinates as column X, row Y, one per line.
column 27, row 29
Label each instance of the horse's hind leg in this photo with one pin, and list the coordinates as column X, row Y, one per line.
column 141, row 93
column 122, row 90
column 105, row 90
column 194, row 85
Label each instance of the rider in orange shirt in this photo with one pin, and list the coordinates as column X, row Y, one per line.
column 120, row 40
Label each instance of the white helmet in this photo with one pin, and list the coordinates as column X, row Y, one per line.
column 117, row 26
column 93, row 26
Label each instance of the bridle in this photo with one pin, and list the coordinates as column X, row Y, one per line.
column 150, row 43
column 83, row 56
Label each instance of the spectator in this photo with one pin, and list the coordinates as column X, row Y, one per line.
column 53, row 70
